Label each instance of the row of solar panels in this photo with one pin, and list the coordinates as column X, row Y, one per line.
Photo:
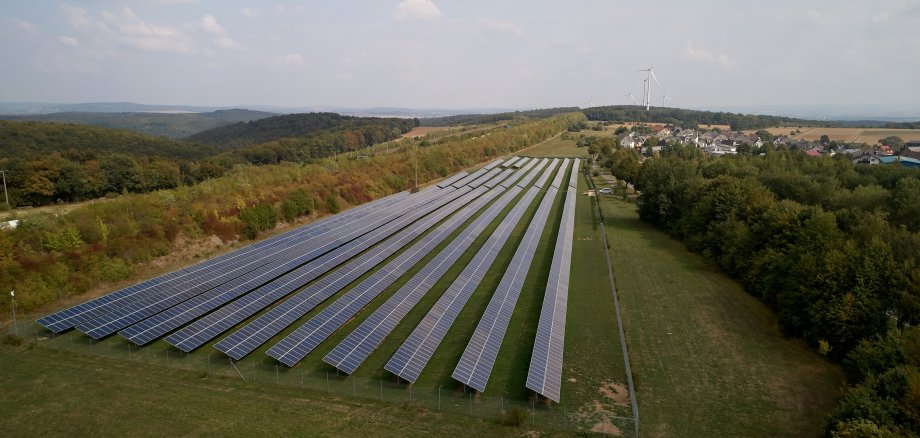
column 310, row 265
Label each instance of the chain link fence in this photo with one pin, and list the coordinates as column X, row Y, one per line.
column 453, row 400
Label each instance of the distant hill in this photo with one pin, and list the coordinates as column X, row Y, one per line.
column 32, row 108
column 475, row 119
column 685, row 117
column 294, row 126
column 30, row 139
column 173, row 125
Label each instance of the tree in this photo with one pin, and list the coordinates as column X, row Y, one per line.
column 894, row 142
column 825, row 140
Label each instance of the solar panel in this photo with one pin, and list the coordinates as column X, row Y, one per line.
column 89, row 310
column 535, row 167
column 158, row 325
column 542, row 180
column 144, row 308
column 521, row 163
column 451, row 179
column 510, row 162
column 466, row 179
column 211, row 325
column 308, row 336
column 494, row 163
column 573, row 178
column 557, row 181
column 545, row 373
column 478, row 358
column 354, row 349
column 502, row 176
column 485, row 177
column 412, row 356
column 243, row 341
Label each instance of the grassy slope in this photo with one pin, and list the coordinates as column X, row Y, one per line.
column 48, row 393
column 708, row 359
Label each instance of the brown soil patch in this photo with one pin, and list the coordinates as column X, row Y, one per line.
column 606, row 427
column 421, row 131
column 615, row 392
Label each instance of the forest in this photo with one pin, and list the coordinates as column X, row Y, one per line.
column 477, row 119
column 51, row 162
column 692, row 118
column 832, row 247
column 52, row 257
column 172, row 125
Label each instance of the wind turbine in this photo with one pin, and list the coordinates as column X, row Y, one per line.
column 631, row 97
column 648, row 85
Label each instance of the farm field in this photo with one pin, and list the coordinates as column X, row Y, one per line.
column 708, row 359
column 869, row 136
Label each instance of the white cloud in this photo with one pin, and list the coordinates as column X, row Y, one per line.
column 209, row 23
column 68, row 41
column 290, row 59
column 226, row 42
column 706, row 56
column 23, row 24
column 416, row 9
column 247, row 12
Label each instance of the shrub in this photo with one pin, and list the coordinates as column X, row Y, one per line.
column 516, row 417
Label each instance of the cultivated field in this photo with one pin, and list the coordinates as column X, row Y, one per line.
column 708, row 359
column 869, row 136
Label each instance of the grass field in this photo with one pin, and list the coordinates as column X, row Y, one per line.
column 708, row 359
column 555, row 147
column 869, row 136
column 51, row 393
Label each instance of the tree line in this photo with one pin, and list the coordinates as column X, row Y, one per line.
column 832, row 247
column 692, row 118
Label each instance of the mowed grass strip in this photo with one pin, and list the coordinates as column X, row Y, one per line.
column 708, row 359
column 56, row 393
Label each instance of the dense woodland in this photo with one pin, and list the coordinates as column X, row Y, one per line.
column 693, row 118
column 172, row 125
column 49, row 257
column 478, row 119
column 51, row 162
column 832, row 247
column 240, row 135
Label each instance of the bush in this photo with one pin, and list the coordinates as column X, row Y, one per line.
column 12, row 340
column 258, row 218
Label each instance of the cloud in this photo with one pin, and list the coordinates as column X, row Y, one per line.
column 706, row 56
column 129, row 30
column 416, row 10
column 290, row 59
column 493, row 29
column 226, row 42
column 23, row 24
column 209, row 23
column 247, row 12
column 68, row 41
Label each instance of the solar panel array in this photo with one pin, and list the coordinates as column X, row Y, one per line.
column 369, row 231
column 477, row 360
column 349, row 354
column 299, row 270
column 545, row 373
column 412, row 356
column 308, row 336
column 213, row 268
column 166, row 298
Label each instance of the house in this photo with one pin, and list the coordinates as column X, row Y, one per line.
column 865, row 158
column 813, row 152
column 912, row 145
column 627, row 140
column 885, row 150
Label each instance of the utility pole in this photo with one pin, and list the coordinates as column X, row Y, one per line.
column 5, row 194
column 416, row 166
column 13, row 300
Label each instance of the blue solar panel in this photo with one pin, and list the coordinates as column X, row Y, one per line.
column 557, row 181
column 573, row 178
column 535, row 167
column 412, row 356
column 308, row 336
column 89, row 310
column 206, row 328
column 243, row 341
column 478, row 358
column 545, row 373
column 494, row 163
column 354, row 349
column 451, row 179
column 542, row 180
column 491, row 173
column 274, row 265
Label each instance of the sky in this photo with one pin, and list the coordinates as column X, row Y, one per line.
column 461, row 54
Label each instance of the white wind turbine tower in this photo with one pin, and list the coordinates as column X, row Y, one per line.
column 631, row 97
column 648, row 85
